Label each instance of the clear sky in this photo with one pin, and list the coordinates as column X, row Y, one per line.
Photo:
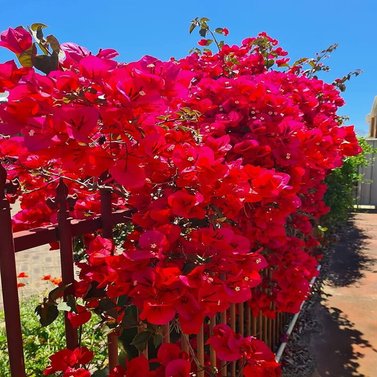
column 160, row 28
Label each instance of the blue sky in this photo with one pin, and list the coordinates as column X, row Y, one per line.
column 137, row 28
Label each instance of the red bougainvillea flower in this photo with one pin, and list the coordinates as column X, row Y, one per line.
column 65, row 359
column 81, row 372
column 22, row 275
column 228, row 345
column 16, row 40
column 184, row 204
column 79, row 317
column 175, row 361
column 138, row 367
column 204, row 42
column 261, row 361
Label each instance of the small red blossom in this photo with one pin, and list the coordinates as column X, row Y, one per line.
column 187, row 205
column 228, row 345
column 224, row 31
column 16, row 40
column 65, row 359
column 79, row 317
column 204, row 42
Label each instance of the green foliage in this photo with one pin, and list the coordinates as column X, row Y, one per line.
column 41, row 342
column 342, row 183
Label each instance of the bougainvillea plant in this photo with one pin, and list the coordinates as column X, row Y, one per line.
column 221, row 159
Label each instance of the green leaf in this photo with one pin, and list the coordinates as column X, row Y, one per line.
column 193, row 26
column 157, row 340
column 140, row 341
column 203, row 32
column 269, row 63
column 56, row 293
column 131, row 314
column 219, row 30
column 46, row 63
column 37, row 33
column 71, row 301
column 25, row 58
column 106, row 304
column 123, row 300
column 101, row 373
column 47, row 313
column 37, row 26
column 54, row 43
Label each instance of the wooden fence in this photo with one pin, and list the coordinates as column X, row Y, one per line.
column 367, row 189
column 238, row 316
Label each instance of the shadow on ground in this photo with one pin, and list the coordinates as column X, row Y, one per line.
column 336, row 347
column 330, row 344
column 348, row 262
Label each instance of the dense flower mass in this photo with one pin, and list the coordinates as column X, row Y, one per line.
column 220, row 158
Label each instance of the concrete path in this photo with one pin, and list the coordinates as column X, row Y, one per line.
column 346, row 344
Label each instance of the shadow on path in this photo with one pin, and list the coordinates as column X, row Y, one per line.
column 348, row 262
column 341, row 347
column 338, row 346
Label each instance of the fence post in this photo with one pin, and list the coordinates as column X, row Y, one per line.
column 9, row 285
column 66, row 256
column 107, row 232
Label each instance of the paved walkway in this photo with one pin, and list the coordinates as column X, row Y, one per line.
column 36, row 263
column 346, row 344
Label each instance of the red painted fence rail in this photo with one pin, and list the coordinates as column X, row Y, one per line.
column 239, row 316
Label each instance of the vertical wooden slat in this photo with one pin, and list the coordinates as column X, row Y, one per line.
column 212, row 352
column 185, row 343
column 200, row 351
column 278, row 326
column 241, row 319
column 232, row 311
column 254, row 329
column 223, row 364
column 166, row 333
column 248, row 320
column 66, row 256
column 260, row 326
column 233, row 326
column 265, row 330
column 107, row 232
column 223, row 316
column 9, row 285
column 274, row 333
